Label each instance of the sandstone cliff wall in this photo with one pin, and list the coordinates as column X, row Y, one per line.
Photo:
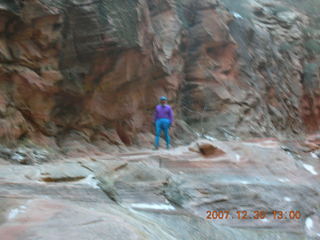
column 94, row 69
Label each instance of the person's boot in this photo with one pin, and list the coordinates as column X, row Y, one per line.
column 155, row 148
column 168, row 147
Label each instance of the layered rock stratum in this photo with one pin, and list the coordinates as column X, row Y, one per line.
column 93, row 71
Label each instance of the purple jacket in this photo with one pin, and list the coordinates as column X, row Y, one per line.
column 163, row 112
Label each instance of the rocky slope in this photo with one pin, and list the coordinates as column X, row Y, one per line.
column 166, row 194
column 92, row 71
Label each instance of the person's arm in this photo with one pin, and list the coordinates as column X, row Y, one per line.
column 155, row 114
column 171, row 116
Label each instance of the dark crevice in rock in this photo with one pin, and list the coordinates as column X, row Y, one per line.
column 67, row 179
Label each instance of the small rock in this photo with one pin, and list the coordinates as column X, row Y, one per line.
column 287, row 17
column 5, row 152
column 22, row 159
column 194, row 148
column 207, row 148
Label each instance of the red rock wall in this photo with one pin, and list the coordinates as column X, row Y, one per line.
column 98, row 68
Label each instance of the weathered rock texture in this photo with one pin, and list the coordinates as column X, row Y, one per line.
column 93, row 70
column 167, row 194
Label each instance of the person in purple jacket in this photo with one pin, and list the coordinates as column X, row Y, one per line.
column 163, row 120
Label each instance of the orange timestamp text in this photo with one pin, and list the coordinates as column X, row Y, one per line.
column 259, row 214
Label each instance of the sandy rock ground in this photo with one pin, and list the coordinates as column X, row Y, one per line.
column 166, row 194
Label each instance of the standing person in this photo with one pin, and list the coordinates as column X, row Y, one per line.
column 163, row 120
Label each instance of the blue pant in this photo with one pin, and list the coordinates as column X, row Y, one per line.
column 162, row 124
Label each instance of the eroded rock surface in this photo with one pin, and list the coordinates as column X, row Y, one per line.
column 166, row 194
column 92, row 71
